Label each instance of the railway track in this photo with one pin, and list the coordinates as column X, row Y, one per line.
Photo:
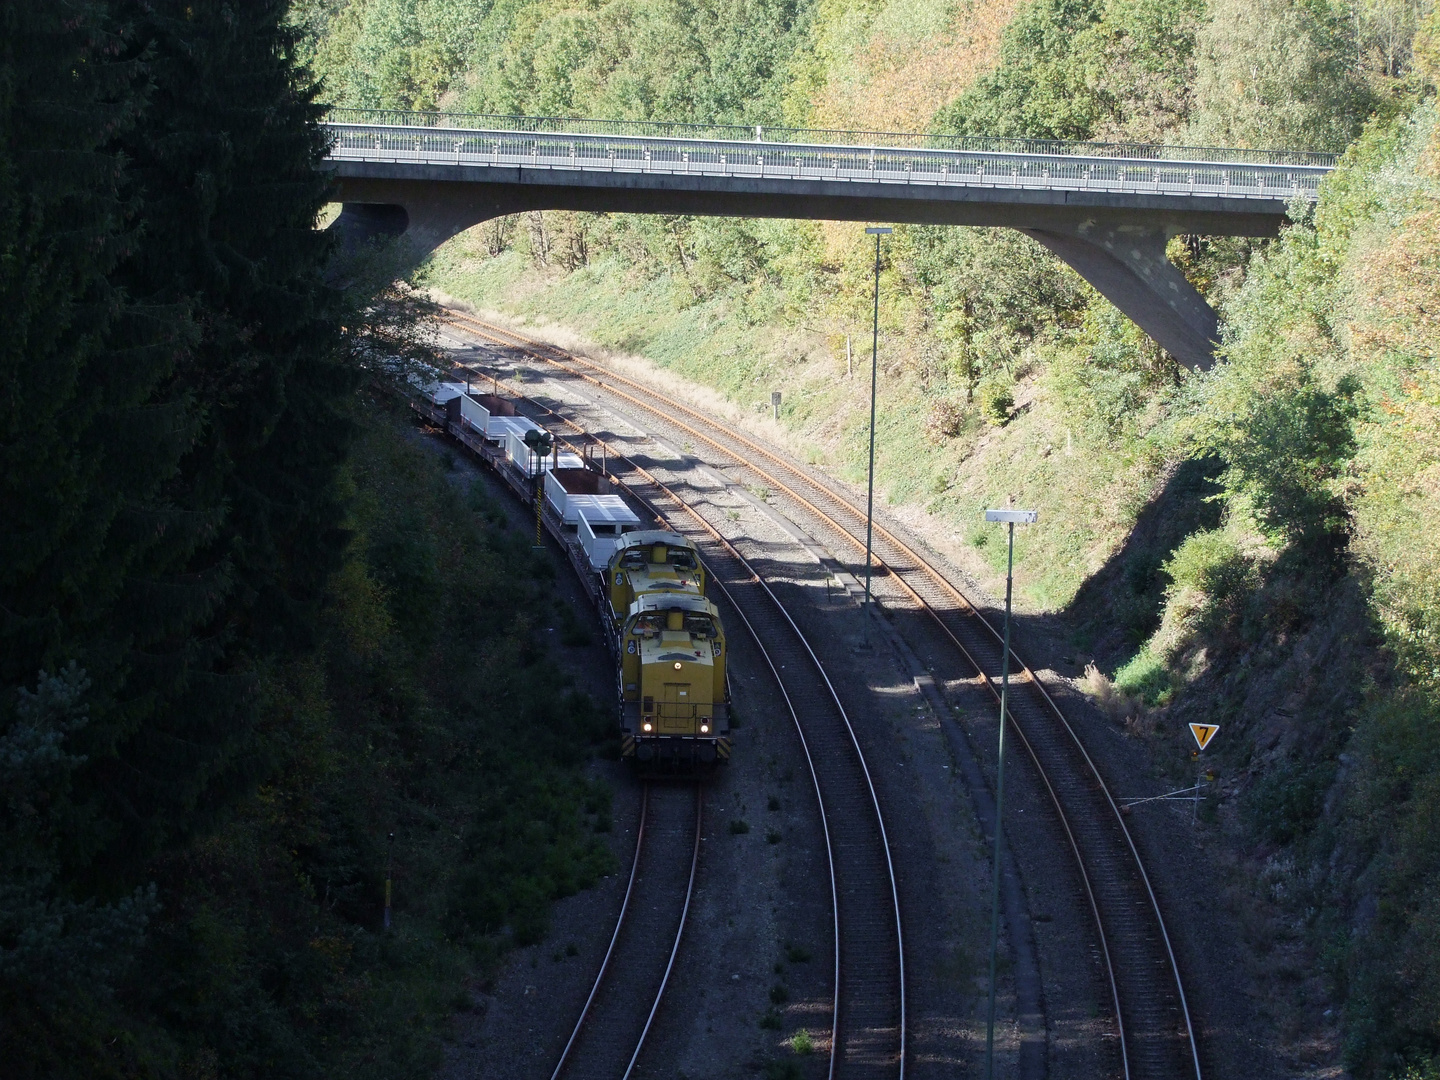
column 867, row 1035
column 611, row 1031
column 1156, row 1036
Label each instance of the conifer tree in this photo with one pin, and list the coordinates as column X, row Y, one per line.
column 174, row 402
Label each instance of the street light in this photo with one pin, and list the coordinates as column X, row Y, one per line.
column 876, row 231
column 1010, row 518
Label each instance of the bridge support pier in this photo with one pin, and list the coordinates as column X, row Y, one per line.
column 1126, row 264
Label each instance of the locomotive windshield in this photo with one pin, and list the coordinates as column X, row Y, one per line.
column 696, row 623
column 637, row 558
column 649, row 624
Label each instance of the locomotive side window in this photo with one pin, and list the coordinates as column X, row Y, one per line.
column 648, row 625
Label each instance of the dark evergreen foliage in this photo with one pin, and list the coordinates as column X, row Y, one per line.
column 221, row 615
column 174, row 416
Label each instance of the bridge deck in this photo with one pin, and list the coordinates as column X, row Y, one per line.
column 759, row 159
column 1106, row 210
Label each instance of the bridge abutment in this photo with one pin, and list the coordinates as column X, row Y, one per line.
column 1126, row 263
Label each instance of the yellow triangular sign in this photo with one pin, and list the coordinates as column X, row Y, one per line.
column 1203, row 733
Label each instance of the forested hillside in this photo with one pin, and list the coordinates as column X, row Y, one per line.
column 242, row 612
column 1256, row 545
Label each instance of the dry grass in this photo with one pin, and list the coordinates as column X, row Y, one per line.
column 897, row 83
column 1121, row 707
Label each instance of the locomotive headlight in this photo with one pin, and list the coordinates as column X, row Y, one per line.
column 704, row 729
column 646, row 726
column 677, row 665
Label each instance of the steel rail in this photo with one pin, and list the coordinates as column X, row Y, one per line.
column 1026, row 675
column 618, row 455
column 619, row 922
column 680, row 931
column 568, row 1062
column 854, row 741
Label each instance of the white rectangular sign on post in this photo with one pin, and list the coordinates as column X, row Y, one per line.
column 1015, row 517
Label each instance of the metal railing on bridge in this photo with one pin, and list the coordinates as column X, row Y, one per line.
column 807, row 154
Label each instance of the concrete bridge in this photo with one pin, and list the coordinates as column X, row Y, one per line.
column 1107, row 210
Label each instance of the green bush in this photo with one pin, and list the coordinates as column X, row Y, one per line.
column 1210, row 563
column 997, row 400
column 1148, row 677
column 1286, row 802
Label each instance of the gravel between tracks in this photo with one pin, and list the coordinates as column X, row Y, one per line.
column 1204, row 908
column 939, row 848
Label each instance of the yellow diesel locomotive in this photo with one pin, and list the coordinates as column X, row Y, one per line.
column 674, row 698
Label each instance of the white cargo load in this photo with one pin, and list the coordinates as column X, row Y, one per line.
column 571, row 499
column 523, row 458
column 607, row 514
column 474, row 415
column 445, row 391
column 500, row 428
column 599, row 536
column 437, row 393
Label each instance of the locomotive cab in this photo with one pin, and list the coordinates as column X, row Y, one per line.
column 674, row 700
column 648, row 562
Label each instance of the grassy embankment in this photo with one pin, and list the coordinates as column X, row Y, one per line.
column 1044, row 457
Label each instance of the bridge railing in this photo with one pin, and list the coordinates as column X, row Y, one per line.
column 646, row 129
column 571, row 150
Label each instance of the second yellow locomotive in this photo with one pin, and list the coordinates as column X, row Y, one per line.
column 674, row 698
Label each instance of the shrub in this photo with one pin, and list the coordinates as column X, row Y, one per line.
column 739, row 828
column 1288, row 454
column 1209, row 576
column 1147, row 677
column 802, row 1043
column 997, row 400
column 945, row 420
column 1287, row 801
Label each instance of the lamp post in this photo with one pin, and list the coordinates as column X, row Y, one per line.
column 876, row 231
column 1010, row 518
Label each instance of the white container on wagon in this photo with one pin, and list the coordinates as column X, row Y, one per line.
column 436, row 392
column 523, row 458
column 569, row 490
column 443, row 392
column 474, row 415
column 500, row 428
column 577, row 494
column 599, row 535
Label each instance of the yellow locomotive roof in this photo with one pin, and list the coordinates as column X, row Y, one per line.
column 665, row 601
column 651, row 537
column 679, row 651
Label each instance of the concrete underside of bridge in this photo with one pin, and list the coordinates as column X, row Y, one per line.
column 1116, row 242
